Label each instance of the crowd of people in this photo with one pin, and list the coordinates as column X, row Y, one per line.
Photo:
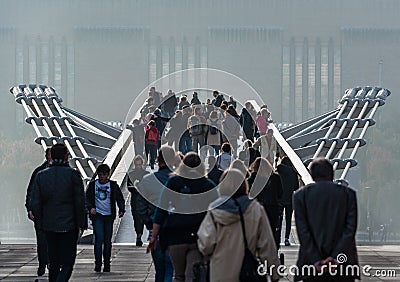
column 199, row 127
column 247, row 195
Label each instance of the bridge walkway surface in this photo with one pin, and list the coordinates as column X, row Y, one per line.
column 130, row 263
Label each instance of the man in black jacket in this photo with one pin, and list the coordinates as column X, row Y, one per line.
column 58, row 203
column 290, row 183
column 326, row 222
column 40, row 236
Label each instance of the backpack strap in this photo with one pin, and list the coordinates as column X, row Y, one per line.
column 246, row 245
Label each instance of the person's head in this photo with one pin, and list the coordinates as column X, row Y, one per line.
column 191, row 166
column 151, row 123
column 224, row 107
column 239, row 164
column 225, row 103
column 265, row 113
column 152, row 89
column 103, row 172
column 215, row 93
column 262, row 167
column 183, row 98
column 233, row 183
column 212, row 161
column 286, row 161
column 47, row 155
column 214, row 115
column 59, row 152
column 231, row 98
column 138, row 161
column 136, row 121
column 226, row 147
column 247, row 144
column 321, row 169
column 150, row 100
column 195, row 94
column 232, row 111
column 186, row 109
column 248, row 105
column 166, row 157
column 197, row 111
column 208, row 101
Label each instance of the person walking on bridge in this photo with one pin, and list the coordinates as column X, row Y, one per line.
column 40, row 236
column 58, row 203
column 101, row 197
column 326, row 222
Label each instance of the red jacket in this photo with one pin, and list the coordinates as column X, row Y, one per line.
column 151, row 136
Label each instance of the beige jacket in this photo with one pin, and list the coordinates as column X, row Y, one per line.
column 267, row 151
column 223, row 242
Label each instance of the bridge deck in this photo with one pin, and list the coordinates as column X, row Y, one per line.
column 130, row 263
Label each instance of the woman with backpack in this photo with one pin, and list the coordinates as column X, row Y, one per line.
column 178, row 230
column 221, row 234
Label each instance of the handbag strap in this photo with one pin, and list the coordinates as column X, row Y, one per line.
column 246, row 245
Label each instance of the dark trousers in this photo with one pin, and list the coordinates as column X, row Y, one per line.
column 62, row 254
column 273, row 217
column 288, row 218
column 102, row 229
column 152, row 150
column 162, row 265
column 41, row 242
column 138, row 223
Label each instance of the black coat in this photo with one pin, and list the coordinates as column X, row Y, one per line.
column 182, row 228
column 290, row 182
column 116, row 197
column 326, row 222
column 31, row 182
column 215, row 174
column 58, row 199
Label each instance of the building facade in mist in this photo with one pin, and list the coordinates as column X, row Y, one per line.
column 300, row 55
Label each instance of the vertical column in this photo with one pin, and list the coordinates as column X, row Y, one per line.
column 331, row 83
column 39, row 60
column 318, row 77
column 292, row 77
column 71, row 76
column 172, row 62
column 64, row 64
column 159, row 65
column 197, row 61
column 305, row 93
column 185, row 63
column 25, row 64
column 51, row 63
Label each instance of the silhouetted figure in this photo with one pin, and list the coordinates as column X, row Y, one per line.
column 326, row 222
column 290, row 183
column 40, row 235
column 58, row 202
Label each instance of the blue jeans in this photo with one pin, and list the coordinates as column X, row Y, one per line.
column 162, row 265
column 185, row 144
column 102, row 229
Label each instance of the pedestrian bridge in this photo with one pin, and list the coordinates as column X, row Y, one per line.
column 336, row 135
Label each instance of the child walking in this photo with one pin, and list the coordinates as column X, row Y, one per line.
column 101, row 196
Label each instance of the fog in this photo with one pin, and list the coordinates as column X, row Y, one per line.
column 298, row 55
